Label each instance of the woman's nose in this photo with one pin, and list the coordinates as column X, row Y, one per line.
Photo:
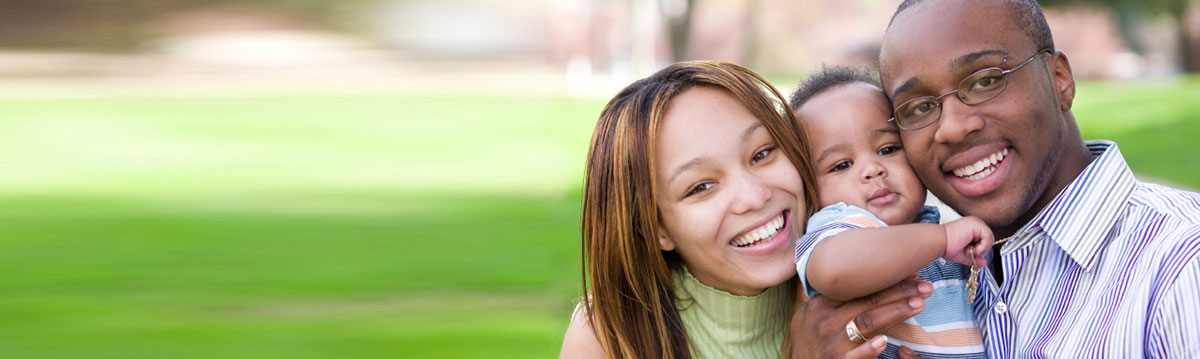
column 752, row 195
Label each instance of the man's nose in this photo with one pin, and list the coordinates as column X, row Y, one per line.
column 958, row 121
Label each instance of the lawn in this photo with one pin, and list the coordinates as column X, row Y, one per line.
column 342, row 225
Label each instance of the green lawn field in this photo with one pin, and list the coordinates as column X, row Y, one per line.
column 342, row 225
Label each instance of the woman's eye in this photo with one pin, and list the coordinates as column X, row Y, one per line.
column 841, row 166
column 760, row 155
column 698, row 188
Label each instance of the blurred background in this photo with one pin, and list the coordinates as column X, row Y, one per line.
column 400, row 178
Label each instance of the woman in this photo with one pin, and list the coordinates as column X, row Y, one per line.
column 697, row 186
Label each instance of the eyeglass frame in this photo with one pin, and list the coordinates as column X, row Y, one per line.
column 938, row 99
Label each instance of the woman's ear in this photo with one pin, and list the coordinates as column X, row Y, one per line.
column 665, row 242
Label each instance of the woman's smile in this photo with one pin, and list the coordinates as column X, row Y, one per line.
column 767, row 238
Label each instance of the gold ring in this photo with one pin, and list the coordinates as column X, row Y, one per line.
column 855, row 335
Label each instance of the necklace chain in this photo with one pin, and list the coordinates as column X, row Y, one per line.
column 973, row 280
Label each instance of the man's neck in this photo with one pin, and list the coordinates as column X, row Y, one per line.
column 1069, row 168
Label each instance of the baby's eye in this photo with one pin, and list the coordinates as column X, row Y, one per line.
column 760, row 155
column 841, row 166
column 699, row 188
column 889, row 149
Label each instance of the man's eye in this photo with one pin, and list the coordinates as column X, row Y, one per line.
column 920, row 108
column 985, row 83
column 698, row 188
column 760, row 155
column 841, row 166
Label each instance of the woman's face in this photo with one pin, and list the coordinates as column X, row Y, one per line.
column 729, row 198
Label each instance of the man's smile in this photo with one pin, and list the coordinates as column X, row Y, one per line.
column 979, row 170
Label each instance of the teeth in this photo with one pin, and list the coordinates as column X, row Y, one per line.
column 972, row 171
column 758, row 234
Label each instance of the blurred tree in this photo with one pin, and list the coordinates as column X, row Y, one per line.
column 753, row 31
column 679, row 15
column 117, row 25
column 1128, row 12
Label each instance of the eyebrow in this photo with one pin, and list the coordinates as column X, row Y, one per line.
column 750, row 130
column 955, row 66
column 829, row 151
column 699, row 161
column 684, row 167
column 908, row 84
column 969, row 59
column 886, row 130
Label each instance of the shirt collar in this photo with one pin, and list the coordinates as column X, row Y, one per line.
column 1083, row 214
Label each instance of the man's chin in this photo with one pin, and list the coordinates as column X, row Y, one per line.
column 995, row 213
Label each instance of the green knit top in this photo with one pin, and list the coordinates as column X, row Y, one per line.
column 720, row 324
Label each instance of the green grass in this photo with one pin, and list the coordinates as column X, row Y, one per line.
column 1156, row 124
column 341, row 226
column 299, row 227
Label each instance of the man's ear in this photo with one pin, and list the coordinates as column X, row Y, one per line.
column 1064, row 81
column 664, row 240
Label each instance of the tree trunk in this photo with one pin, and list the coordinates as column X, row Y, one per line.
column 681, row 27
column 1189, row 44
column 753, row 16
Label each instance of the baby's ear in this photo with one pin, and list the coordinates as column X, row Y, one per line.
column 664, row 241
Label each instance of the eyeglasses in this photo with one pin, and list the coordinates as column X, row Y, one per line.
column 978, row 87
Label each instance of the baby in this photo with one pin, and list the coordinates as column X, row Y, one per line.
column 874, row 230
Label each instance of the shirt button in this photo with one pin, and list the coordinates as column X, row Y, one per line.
column 1000, row 308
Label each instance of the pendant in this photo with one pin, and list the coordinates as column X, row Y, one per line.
column 973, row 280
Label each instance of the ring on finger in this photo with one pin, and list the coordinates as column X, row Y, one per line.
column 855, row 335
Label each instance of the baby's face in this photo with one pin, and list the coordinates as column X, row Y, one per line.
column 857, row 154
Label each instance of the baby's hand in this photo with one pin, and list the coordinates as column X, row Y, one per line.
column 966, row 233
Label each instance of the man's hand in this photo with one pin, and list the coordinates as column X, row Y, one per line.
column 818, row 325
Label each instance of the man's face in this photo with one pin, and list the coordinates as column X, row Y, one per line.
column 997, row 160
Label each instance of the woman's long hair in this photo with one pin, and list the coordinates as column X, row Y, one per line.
column 631, row 306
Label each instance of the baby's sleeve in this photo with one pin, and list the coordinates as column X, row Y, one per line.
column 827, row 222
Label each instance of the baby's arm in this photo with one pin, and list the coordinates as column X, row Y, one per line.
column 860, row 261
column 964, row 234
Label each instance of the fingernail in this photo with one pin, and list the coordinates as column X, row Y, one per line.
column 916, row 303
column 924, row 287
column 908, row 351
column 879, row 342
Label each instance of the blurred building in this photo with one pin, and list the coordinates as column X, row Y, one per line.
column 574, row 44
column 632, row 38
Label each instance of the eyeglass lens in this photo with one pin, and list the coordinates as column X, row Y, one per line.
column 977, row 88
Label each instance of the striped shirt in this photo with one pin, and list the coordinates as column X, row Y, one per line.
column 1110, row 269
column 946, row 329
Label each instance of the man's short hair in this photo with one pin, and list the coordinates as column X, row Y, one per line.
column 1026, row 13
column 828, row 77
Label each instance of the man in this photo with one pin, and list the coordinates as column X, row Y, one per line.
column 1098, row 264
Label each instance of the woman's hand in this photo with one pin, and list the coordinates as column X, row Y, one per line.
column 818, row 324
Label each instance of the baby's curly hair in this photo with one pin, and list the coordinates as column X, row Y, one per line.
column 828, row 77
